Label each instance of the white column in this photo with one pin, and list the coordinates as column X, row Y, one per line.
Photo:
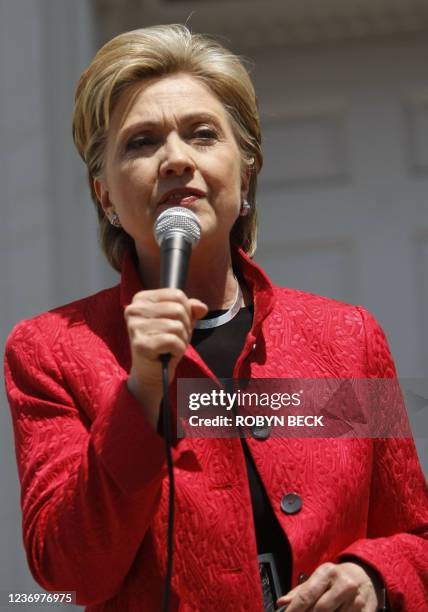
column 49, row 251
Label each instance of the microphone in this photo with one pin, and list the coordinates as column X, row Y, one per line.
column 176, row 230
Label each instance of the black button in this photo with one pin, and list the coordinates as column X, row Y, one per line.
column 260, row 432
column 291, row 503
column 302, row 578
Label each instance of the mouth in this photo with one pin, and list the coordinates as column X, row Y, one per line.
column 181, row 197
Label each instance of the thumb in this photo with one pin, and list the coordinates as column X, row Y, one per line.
column 198, row 309
column 285, row 600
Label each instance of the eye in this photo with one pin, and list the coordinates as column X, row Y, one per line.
column 204, row 134
column 138, row 142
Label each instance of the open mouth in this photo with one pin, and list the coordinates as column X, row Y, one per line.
column 181, row 197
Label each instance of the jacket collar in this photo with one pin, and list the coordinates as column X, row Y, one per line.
column 130, row 282
column 257, row 282
column 255, row 278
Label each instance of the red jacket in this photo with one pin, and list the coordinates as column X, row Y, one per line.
column 93, row 475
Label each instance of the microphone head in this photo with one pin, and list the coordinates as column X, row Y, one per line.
column 177, row 220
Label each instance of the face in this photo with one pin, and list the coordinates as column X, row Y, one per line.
column 170, row 143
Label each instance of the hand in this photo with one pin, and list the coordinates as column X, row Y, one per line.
column 159, row 321
column 344, row 587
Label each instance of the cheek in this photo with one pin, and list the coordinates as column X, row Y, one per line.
column 225, row 176
column 131, row 181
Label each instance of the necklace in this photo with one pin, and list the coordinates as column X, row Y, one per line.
column 223, row 318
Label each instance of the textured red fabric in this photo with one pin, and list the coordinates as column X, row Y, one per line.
column 93, row 475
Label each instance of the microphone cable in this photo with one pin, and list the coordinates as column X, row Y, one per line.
column 177, row 230
column 166, row 420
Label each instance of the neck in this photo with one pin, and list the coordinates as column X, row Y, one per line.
column 210, row 276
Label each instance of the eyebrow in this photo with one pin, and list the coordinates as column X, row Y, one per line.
column 147, row 124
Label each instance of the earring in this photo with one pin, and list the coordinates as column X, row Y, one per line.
column 245, row 208
column 114, row 220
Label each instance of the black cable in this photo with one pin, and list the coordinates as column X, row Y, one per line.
column 166, row 414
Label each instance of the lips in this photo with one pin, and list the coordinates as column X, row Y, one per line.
column 185, row 195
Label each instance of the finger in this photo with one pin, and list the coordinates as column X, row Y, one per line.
column 336, row 599
column 157, row 296
column 344, row 590
column 159, row 310
column 156, row 324
column 354, row 605
column 140, row 331
column 304, row 596
column 165, row 294
column 351, row 590
column 198, row 309
column 302, row 600
column 159, row 345
column 286, row 598
column 155, row 331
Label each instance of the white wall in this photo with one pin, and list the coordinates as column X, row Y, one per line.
column 343, row 196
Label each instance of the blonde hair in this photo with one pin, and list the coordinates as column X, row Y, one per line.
column 155, row 52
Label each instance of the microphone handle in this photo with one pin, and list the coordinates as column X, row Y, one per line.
column 175, row 257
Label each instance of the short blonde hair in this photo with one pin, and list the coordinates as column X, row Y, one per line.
column 155, row 52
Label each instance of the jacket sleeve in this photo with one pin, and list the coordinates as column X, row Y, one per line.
column 397, row 542
column 89, row 490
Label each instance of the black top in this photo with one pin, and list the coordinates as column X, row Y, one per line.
column 220, row 347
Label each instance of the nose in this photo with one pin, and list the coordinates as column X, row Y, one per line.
column 177, row 159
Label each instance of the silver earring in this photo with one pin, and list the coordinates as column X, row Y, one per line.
column 114, row 220
column 245, row 208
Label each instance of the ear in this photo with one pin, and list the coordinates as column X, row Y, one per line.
column 103, row 197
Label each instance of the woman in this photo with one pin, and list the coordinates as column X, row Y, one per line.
column 166, row 118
